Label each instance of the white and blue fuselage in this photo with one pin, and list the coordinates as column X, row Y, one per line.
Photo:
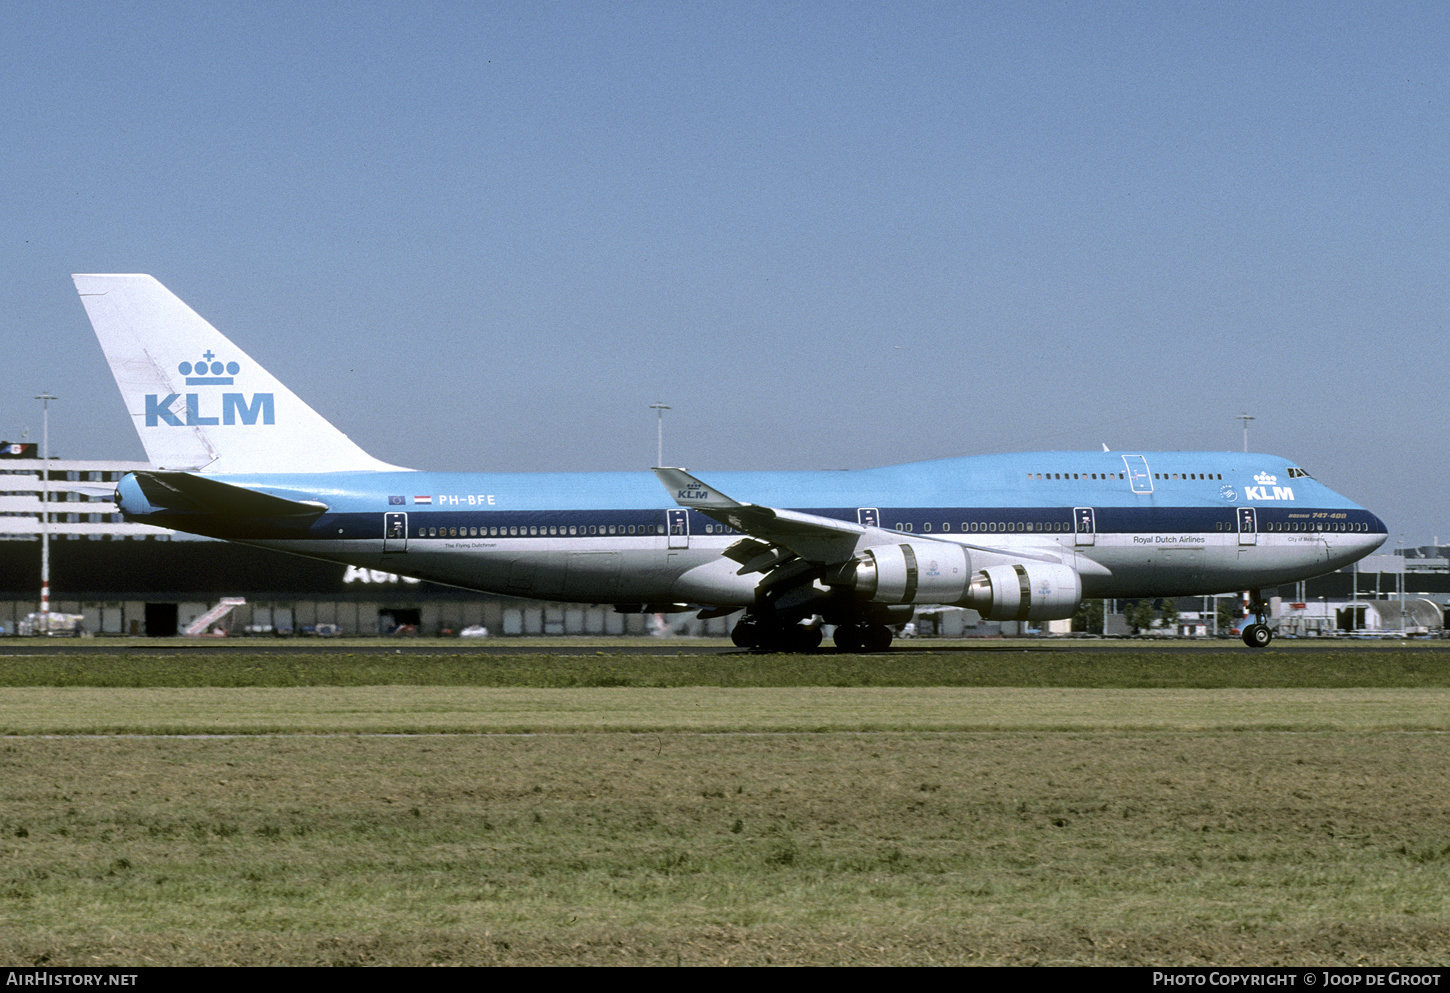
column 1154, row 524
column 237, row 455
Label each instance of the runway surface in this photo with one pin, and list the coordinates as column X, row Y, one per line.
column 101, row 647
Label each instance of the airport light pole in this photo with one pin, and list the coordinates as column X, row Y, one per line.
column 45, row 399
column 1245, row 418
column 1353, row 594
column 1400, row 551
column 660, row 436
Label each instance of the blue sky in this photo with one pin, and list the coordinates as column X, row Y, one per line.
column 835, row 235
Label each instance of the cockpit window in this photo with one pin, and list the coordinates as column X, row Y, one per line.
column 1295, row 473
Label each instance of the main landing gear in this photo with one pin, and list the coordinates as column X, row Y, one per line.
column 774, row 636
column 863, row 637
column 859, row 627
column 1258, row 634
column 767, row 634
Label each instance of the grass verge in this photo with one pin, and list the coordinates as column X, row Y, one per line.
column 1059, row 667
column 1045, row 848
column 462, row 709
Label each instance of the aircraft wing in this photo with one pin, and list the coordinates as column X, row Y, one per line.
column 821, row 540
column 777, row 536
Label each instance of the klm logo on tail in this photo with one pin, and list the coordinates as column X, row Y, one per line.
column 209, row 372
column 235, row 409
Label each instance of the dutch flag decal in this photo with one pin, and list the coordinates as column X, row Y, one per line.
column 422, row 499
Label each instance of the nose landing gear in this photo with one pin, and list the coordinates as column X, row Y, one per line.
column 1258, row 634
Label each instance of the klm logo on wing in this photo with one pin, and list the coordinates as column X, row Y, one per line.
column 694, row 493
column 1267, row 490
column 235, row 409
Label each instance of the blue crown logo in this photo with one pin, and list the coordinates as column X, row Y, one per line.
column 208, row 372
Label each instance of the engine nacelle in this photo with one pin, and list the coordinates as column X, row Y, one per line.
column 1027, row 591
column 940, row 572
column 912, row 572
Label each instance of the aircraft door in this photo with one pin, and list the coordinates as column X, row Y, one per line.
column 1139, row 478
column 395, row 532
column 1086, row 526
column 678, row 525
column 869, row 517
column 1248, row 526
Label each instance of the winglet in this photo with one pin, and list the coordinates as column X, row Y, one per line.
column 690, row 492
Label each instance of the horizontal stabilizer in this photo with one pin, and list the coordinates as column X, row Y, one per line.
column 189, row 493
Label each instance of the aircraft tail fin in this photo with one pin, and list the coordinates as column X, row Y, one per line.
column 198, row 401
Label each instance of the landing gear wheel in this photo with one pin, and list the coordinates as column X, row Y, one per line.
column 772, row 638
column 1258, row 635
column 746, row 633
column 848, row 638
column 877, row 638
column 803, row 637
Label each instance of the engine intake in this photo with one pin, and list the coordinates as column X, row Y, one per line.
column 1027, row 591
column 940, row 572
column 913, row 572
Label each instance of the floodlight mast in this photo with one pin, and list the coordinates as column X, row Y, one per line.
column 45, row 399
column 1245, row 418
column 660, row 437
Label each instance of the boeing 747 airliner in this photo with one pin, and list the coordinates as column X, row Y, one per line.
column 237, row 455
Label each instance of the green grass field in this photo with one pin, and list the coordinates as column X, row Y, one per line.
column 1185, row 808
column 1000, row 664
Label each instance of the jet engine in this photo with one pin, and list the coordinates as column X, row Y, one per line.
column 1025, row 591
column 940, row 572
column 911, row 572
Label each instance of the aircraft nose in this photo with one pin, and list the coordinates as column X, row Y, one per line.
column 1345, row 547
